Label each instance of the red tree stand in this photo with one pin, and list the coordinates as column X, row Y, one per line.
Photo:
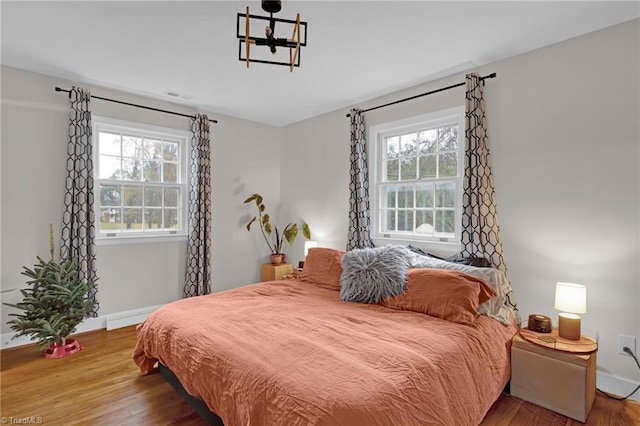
column 58, row 350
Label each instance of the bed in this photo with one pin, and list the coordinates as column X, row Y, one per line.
column 293, row 352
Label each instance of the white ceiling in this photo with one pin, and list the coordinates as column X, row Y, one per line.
column 357, row 50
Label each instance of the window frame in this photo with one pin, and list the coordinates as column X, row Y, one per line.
column 377, row 134
column 104, row 124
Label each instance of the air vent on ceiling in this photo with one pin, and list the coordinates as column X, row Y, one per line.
column 176, row 95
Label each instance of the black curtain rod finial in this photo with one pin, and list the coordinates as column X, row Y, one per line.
column 62, row 90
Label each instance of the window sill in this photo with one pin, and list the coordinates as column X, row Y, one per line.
column 434, row 247
column 138, row 239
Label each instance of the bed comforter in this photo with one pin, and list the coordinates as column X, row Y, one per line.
column 292, row 353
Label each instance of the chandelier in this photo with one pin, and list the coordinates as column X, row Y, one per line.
column 272, row 55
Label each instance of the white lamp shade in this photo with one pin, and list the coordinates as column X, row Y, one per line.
column 571, row 298
column 309, row 245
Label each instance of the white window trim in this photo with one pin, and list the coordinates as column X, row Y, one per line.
column 376, row 133
column 140, row 239
column 109, row 238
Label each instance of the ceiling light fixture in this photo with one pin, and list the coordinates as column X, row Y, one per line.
column 298, row 38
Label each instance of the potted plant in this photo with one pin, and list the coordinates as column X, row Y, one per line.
column 289, row 233
column 53, row 305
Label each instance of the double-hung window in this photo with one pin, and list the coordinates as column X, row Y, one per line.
column 418, row 177
column 140, row 180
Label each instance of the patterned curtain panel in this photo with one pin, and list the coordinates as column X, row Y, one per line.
column 359, row 215
column 78, row 219
column 198, row 271
column 480, row 228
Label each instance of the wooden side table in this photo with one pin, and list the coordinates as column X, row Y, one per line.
column 293, row 274
column 562, row 380
column 275, row 272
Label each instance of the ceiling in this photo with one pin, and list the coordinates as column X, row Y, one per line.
column 357, row 50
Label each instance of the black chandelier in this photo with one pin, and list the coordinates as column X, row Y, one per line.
column 245, row 40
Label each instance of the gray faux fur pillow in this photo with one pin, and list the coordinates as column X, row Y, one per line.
column 369, row 275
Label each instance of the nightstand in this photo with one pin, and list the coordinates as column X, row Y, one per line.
column 293, row 274
column 275, row 272
column 559, row 376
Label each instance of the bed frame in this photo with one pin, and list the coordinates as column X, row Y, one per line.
column 198, row 404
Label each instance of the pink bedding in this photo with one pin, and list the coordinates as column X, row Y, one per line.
column 292, row 353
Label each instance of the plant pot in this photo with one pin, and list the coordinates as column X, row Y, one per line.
column 58, row 350
column 277, row 259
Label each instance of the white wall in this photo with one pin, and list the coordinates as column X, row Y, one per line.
column 572, row 175
column 246, row 160
column 564, row 138
column 315, row 178
column 34, row 118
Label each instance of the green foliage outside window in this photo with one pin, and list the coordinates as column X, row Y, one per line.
column 138, row 204
column 417, row 161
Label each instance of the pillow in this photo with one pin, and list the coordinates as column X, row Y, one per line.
column 441, row 293
column 371, row 274
column 479, row 262
column 322, row 267
column 494, row 308
column 418, row 250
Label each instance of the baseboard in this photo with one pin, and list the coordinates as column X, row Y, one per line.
column 127, row 318
column 110, row 322
column 617, row 385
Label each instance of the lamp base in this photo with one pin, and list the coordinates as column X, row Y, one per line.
column 569, row 326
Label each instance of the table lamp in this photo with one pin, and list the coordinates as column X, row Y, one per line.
column 307, row 246
column 571, row 299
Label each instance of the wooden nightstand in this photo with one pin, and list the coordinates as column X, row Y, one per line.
column 293, row 274
column 563, row 381
column 275, row 272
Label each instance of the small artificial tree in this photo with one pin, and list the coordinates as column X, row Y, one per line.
column 55, row 303
column 289, row 233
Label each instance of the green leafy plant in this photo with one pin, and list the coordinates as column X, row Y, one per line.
column 55, row 302
column 289, row 233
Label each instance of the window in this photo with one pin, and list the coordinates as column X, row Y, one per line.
column 140, row 175
column 418, row 177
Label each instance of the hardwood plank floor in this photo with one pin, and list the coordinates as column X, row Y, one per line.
column 100, row 385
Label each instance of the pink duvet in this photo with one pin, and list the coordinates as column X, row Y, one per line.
column 292, row 353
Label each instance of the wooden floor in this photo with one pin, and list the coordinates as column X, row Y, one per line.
column 101, row 385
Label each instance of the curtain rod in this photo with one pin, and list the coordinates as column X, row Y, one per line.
column 492, row 75
column 136, row 105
